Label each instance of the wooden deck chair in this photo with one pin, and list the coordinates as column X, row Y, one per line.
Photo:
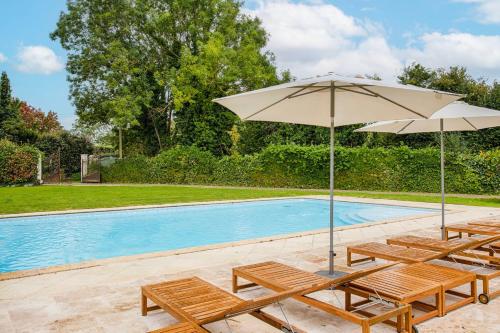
column 488, row 223
column 449, row 279
column 403, row 288
column 195, row 302
column 470, row 230
column 374, row 250
column 484, row 273
column 280, row 277
column 408, row 254
column 433, row 244
column 457, row 254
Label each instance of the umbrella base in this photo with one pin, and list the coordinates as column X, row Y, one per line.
column 335, row 274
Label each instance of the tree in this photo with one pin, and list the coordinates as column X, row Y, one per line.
column 456, row 80
column 157, row 64
column 7, row 109
column 36, row 120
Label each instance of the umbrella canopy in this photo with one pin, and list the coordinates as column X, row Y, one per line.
column 335, row 100
column 457, row 116
column 356, row 101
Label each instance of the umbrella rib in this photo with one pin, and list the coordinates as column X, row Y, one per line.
column 278, row 101
column 393, row 102
column 468, row 122
column 356, row 92
column 309, row 92
column 405, row 126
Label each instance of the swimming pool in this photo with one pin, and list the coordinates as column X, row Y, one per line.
column 42, row 241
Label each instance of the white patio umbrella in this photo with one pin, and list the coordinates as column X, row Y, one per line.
column 457, row 116
column 334, row 100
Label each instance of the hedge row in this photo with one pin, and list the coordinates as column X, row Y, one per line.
column 18, row 164
column 378, row 169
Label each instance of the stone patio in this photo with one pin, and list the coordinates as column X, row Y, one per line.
column 105, row 298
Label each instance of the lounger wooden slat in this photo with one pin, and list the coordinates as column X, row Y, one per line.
column 487, row 222
column 397, row 286
column 388, row 252
column 433, row 244
column 427, row 243
column 195, row 302
column 279, row 277
column 181, row 328
column 448, row 278
column 469, row 229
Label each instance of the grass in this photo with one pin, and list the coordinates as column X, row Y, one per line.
column 51, row 198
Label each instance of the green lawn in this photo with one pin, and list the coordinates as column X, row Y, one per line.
column 50, row 198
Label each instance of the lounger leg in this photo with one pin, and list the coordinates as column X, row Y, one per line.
column 235, row 283
column 439, row 303
column 399, row 323
column 486, row 286
column 365, row 327
column 408, row 320
column 349, row 258
column 473, row 290
column 144, row 305
column 348, row 296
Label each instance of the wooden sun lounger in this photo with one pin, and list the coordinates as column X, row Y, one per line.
column 388, row 252
column 484, row 273
column 470, row 230
column 448, row 278
column 433, row 244
column 195, row 302
column 494, row 222
column 456, row 254
column 399, row 287
column 280, row 277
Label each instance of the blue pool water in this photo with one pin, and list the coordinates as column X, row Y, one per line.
column 34, row 242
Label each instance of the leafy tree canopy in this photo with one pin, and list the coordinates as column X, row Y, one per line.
column 155, row 66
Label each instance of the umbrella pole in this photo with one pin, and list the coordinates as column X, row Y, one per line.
column 332, row 182
column 442, row 179
column 331, row 272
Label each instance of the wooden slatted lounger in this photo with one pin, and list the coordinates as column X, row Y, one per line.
column 280, row 277
column 195, row 302
column 433, row 244
column 487, row 222
column 485, row 271
column 448, row 278
column 388, row 252
column 470, row 230
column 399, row 287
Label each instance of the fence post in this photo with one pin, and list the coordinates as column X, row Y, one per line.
column 39, row 167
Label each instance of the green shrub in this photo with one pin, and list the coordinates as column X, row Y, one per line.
column 377, row 169
column 136, row 169
column 183, row 165
column 18, row 164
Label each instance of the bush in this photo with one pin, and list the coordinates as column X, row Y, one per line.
column 378, row 169
column 18, row 164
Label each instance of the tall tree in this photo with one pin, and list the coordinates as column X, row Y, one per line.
column 477, row 92
column 6, row 111
column 156, row 64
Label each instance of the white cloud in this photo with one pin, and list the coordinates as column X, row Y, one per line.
column 38, row 60
column 316, row 38
column 3, row 58
column 488, row 11
column 481, row 54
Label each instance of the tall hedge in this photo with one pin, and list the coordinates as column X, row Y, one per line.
column 18, row 164
column 377, row 169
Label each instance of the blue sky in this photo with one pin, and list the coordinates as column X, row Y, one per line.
column 347, row 36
